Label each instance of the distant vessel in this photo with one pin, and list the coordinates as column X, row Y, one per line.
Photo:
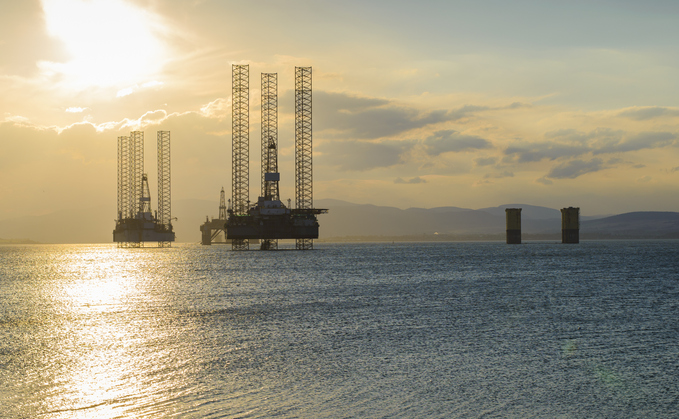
column 143, row 226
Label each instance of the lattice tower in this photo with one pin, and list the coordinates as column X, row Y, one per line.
column 270, row 190
column 303, row 146
column 136, row 171
column 123, row 177
column 164, row 179
column 240, row 140
column 269, row 134
column 222, row 205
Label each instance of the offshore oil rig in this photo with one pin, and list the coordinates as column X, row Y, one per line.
column 136, row 222
column 269, row 219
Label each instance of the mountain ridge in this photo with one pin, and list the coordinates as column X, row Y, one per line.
column 347, row 219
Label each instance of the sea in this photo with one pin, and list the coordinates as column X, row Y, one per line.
column 370, row 330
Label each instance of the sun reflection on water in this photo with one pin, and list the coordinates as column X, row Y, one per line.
column 106, row 332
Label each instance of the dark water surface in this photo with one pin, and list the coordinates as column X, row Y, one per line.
column 353, row 330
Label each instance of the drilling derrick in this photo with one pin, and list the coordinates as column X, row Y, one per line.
column 123, row 209
column 164, row 183
column 303, row 147
column 137, row 169
column 240, row 140
column 222, row 205
column 270, row 175
column 136, row 223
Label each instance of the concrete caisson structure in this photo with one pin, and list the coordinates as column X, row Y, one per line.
column 570, row 225
column 513, row 225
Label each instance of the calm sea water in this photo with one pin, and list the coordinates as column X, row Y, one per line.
column 353, row 330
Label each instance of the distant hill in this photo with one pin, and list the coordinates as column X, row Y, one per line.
column 346, row 220
column 647, row 224
column 95, row 225
column 528, row 212
column 17, row 241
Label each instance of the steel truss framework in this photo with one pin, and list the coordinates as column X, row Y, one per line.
column 130, row 172
column 123, row 177
column 164, row 183
column 133, row 185
column 222, row 205
column 303, row 146
column 269, row 130
column 137, row 172
column 240, row 141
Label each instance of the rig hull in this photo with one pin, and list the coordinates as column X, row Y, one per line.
column 271, row 220
column 250, row 227
column 134, row 230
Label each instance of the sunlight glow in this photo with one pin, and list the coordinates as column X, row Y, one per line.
column 111, row 43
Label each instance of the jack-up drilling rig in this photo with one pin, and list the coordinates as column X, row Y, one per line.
column 136, row 222
column 269, row 220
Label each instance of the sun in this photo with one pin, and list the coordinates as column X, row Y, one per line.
column 111, row 43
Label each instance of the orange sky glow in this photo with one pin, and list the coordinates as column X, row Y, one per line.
column 468, row 104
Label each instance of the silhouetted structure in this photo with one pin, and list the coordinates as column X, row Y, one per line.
column 570, row 225
column 303, row 147
column 164, row 183
column 240, row 141
column 269, row 220
column 136, row 223
column 513, row 225
column 211, row 230
column 270, row 175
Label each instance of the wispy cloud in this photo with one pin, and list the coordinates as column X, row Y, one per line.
column 575, row 168
column 452, row 141
column 412, row 181
column 648, row 112
column 362, row 155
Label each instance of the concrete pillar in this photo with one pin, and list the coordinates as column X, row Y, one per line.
column 513, row 225
column 206, row 233
column 570, row 225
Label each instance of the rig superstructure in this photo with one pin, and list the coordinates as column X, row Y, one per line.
column 136, row 222
column 213, row 231
column 269, row 219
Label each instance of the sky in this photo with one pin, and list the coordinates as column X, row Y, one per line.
column 415, row 104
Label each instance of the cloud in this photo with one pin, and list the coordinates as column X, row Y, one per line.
column 125, row 92
column 218, row 108
column 575, row 168
column 485, row 161
column 412, row 181
column 24, row 40
column 644, row 140
column 466, row 111
column 452, row 141
column 363, row 155
column 539, row 151
column 648, row 112
column 574, row 136
column 544, row 181
column 570, row 143
column 500, row 175
column 342, row 115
